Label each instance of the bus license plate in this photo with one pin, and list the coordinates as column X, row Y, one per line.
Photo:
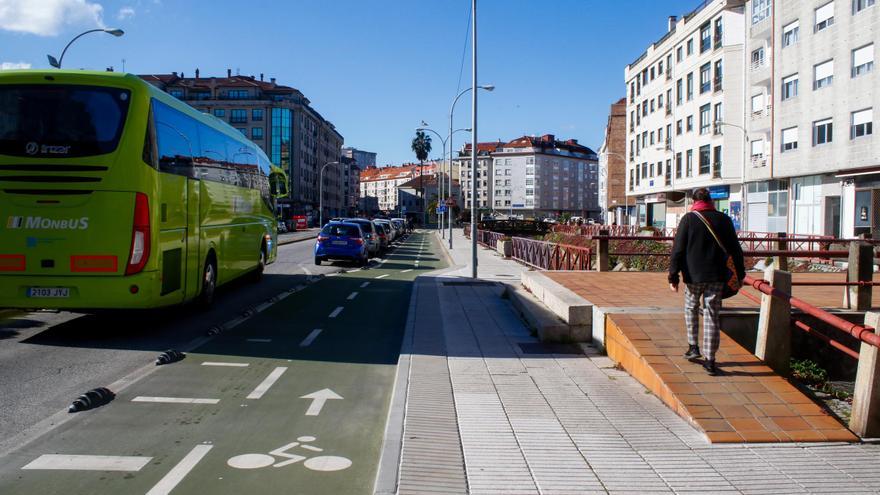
column 48, row 292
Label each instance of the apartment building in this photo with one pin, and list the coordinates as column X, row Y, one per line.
column 814, row 165
column 462, row 163
column 281, row 120
column 612, row 167
column 364, row 158
column 382, row 182
column 685, row 121
column 415, row 193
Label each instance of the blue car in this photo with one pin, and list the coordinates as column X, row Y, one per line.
column 341, row 241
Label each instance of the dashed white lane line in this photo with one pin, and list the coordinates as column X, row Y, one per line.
column 89, row 462
column 178, row 472
column 352, row 296
column 305, row 270
column 310, row 338
column 364, row 284
column 336, row 312
column 220, row 363
column 174, row 400
column 404, row 271
column 266, row 384
column 382, row 276
column 262, row 341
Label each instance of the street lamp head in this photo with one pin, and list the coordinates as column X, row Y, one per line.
column 114, row 31
column 487, row 87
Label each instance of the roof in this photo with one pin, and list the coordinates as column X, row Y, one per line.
column 395, row 172
column 207, row 83
column 482, row 148
column 548, row 141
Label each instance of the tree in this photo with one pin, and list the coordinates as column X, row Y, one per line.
column 421, row 146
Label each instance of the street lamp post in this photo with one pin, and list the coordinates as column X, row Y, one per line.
column 742, row 186
column 57, row 63
column 448, row 171
column 321, row 194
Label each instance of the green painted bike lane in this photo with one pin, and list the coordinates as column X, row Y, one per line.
column 293, row 400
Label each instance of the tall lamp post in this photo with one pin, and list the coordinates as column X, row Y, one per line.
column 321, row 194
column 487, row 87
column 742, row 186
column 424, row 127
column 57, row 62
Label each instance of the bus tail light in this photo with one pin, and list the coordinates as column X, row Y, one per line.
column 140, row 235
column 86, row 263
column 12, row 263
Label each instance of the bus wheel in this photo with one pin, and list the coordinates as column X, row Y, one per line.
column 257, row 274
column 209, row 284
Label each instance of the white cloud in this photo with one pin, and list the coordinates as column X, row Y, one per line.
column 14, row 65
column 125, row 13
column 48, row 17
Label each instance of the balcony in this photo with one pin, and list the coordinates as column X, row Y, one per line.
column 759, row 161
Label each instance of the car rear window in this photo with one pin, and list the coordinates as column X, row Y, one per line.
column 366, row 225
column 341, row 230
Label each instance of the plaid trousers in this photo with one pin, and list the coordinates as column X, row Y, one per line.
column 710, row 292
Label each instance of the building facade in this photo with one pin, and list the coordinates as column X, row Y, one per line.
column 364, row 158
column 381, row 182
column 462, row 164
column 281, row 120
column 414, row 194
column 685, row 115
column 612, row 167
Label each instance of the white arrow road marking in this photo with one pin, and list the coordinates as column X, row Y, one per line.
column 352, row 296
column 336, row 312
column 89, row 462
column 318, row 400
column 382, row 276
column 174, row 400
column 364, row 284
column 310, row 338
column 270, row 380
column 218, row 363
column 178, row 472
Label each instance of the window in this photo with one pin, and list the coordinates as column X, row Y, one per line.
column 652, row 105
column 652, row 73
column 660, row 101
column 690, row 86
column 862, row 60
column 790, row 33
column 659, row 134
column 660, row 67
column 678, row 165
column 862, row 123
column 823, row 74
column 716, row 164
column 789, row 139
column 237, row 94
column 705, row 37
column 719, row 117
column 690, row 123
column 679, row 95
column 631, row 179
column 238, row 116
column 257, row 114
column 705, row 124
column 790, row 87
column 678, row 128
column 678, row 54
column 652, row 137
column 758, row 104
column 220, row 112
column 758, row 58
column 690, row 163
column 719, row 76
column 705, row 163
column 651, row 171
column 824, row 16
column 823, row 132
column 705, row 77
column 757, row 148
column 669, row 102
column 690, row 47
column 257, row 133
column 719, row 32
column 645, row 170
column 760, row 10
column 176, row 92
column 860, row 5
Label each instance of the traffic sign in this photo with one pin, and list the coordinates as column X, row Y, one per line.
column 442, row 209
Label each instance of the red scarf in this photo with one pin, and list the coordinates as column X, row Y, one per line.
column 703, row 206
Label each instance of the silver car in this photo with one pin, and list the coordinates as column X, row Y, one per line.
column 373, row 245
column 392, row 233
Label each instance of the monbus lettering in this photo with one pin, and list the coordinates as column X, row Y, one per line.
column 40, row 223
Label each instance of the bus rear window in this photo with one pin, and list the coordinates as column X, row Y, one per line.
column 61, row 121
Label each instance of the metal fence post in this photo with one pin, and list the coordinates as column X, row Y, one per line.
column 602, row 261
column 865, row 419
column 860, row 269
column 781, row 261
column 774, row 324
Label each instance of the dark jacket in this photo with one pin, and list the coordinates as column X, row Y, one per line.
column 696, row 254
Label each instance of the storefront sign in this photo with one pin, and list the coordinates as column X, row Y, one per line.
column 719, row 192
column 655, row 198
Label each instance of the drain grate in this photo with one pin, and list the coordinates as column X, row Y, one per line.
column 460, row 284
column 542, row 348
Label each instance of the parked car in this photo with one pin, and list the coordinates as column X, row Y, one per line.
column 369, row 230
column 389, row 231
column 384, row 238
column 341, row 241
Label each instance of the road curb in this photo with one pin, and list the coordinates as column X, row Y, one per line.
column 291, row 241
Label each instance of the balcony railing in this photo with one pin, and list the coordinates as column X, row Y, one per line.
column 758, row 64
column 759, row 161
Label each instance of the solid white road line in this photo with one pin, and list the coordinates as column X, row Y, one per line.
column 382, row 276
column 178, row 472
column 352, row 296
column 406, row 270
column 310, row 338
column 270, row 380
column 305, row 270
column 336, row 312
column 174, row 400
column 217, row 363
column 264, row 341
column 364, row 284
column 89, row 462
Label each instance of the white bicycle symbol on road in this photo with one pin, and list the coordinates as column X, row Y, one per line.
column 319, row 463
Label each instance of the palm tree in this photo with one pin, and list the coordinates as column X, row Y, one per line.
column 421, row 146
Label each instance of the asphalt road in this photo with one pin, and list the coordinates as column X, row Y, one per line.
column 290, row 396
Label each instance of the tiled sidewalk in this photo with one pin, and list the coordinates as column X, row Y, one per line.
column 569, row 423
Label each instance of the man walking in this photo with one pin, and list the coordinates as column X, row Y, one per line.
column 704, row 239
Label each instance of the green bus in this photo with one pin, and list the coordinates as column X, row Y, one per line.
column 114, row 194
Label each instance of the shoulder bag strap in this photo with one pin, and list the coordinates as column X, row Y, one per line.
column 712, row 231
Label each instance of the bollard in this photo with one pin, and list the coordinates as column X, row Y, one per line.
column 860, row 269
column 865, row 419
column 781, row 261
column 774, row 324
column 602, row 260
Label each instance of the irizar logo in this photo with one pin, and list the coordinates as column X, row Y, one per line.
column 41, row 223
column 33, row 148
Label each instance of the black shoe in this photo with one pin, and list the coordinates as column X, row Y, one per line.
column 711, row 369
column 692, row 353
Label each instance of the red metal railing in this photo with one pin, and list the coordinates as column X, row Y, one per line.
column 550, row 256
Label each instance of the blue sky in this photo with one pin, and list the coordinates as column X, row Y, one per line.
column 375, row 68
